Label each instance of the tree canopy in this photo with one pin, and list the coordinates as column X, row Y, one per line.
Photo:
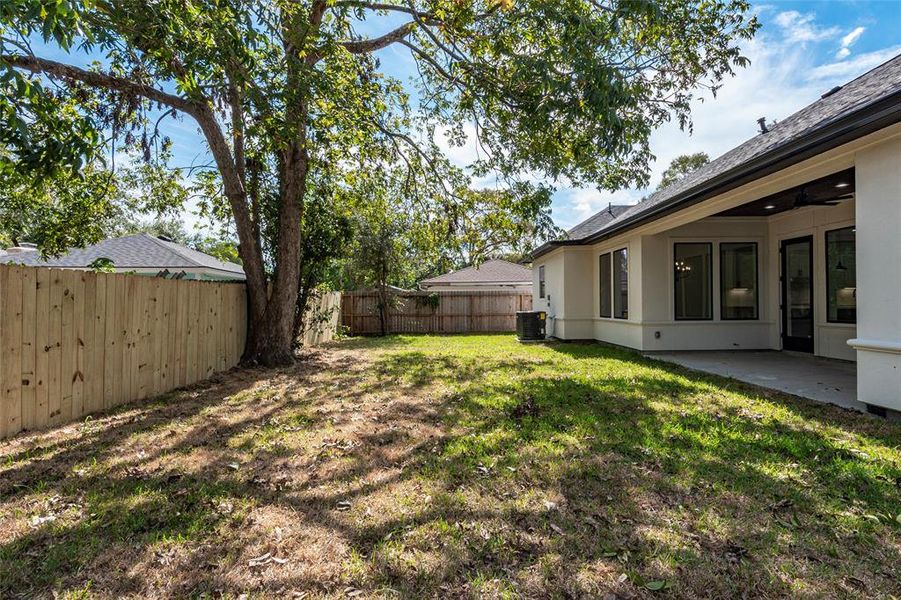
column 681, row 166
column 295, row 108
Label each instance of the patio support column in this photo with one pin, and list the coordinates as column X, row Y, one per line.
column 878, row 222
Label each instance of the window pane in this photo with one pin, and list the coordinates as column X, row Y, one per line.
column 841, row 275
column 693, row 274
column 605, row 291
column 541, row 282
column 621, row 284
column 738, row 281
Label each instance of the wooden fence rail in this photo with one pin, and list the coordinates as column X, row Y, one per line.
column 416, row 312
column 76, row 342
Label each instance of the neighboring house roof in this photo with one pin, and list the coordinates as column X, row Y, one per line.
column 140, row 251
column 862, row 106
column 490, row 271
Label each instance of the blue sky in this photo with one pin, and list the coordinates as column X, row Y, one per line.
column 801, row 50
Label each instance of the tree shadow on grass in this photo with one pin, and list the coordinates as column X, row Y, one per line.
column 469, row 476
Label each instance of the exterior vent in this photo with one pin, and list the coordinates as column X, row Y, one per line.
column 832, row 91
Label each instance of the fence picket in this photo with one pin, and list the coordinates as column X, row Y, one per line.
column 73, row 343
column 414, row 312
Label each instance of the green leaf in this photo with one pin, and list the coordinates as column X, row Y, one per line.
column 656, row 586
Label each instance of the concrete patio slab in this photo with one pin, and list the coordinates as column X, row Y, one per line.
column 820, row 379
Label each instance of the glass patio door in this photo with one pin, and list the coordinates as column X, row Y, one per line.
column 797, row 294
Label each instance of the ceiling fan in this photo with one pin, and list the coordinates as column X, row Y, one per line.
column 804, row 199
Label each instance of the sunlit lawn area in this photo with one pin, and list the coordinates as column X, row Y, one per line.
column 464, row 466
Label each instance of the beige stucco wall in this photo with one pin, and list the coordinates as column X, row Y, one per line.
column 878, row 221
column 658, row 283
column 651, row 325
column 552, row 303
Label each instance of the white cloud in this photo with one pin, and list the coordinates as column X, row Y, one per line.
column 847, row 41
column 803, row 28
column 853, row 36
column 843, row 71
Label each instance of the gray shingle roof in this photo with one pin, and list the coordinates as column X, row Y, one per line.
column 597, row 221
column 490, row 271
column 877, row 84
column 140, row 251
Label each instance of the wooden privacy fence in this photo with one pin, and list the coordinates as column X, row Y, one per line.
column 76, row 342
column 421, row 312
column 322, row 319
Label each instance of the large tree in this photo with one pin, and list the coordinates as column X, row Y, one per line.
column 290, row 96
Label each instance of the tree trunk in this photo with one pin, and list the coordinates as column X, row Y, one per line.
column 270, row 338
column 268, row 344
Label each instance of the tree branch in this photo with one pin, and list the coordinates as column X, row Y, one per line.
column 205, row 117
column 382, row 6
column 52, row 68
column 373, row 44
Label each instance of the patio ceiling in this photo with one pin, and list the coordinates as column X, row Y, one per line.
column 826, row 191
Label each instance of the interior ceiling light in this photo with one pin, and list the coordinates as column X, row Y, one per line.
column 842, row 184
column 770, row 206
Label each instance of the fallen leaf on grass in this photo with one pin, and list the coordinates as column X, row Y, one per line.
column 259, row 561
column 37, row 521
column 656, row 586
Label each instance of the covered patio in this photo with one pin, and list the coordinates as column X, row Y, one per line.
column 813, row 377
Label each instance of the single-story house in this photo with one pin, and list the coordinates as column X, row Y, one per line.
column 790, row 241
column 490, row 276
column 142, row 254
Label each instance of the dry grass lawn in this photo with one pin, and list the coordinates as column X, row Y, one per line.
column 452, row 467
